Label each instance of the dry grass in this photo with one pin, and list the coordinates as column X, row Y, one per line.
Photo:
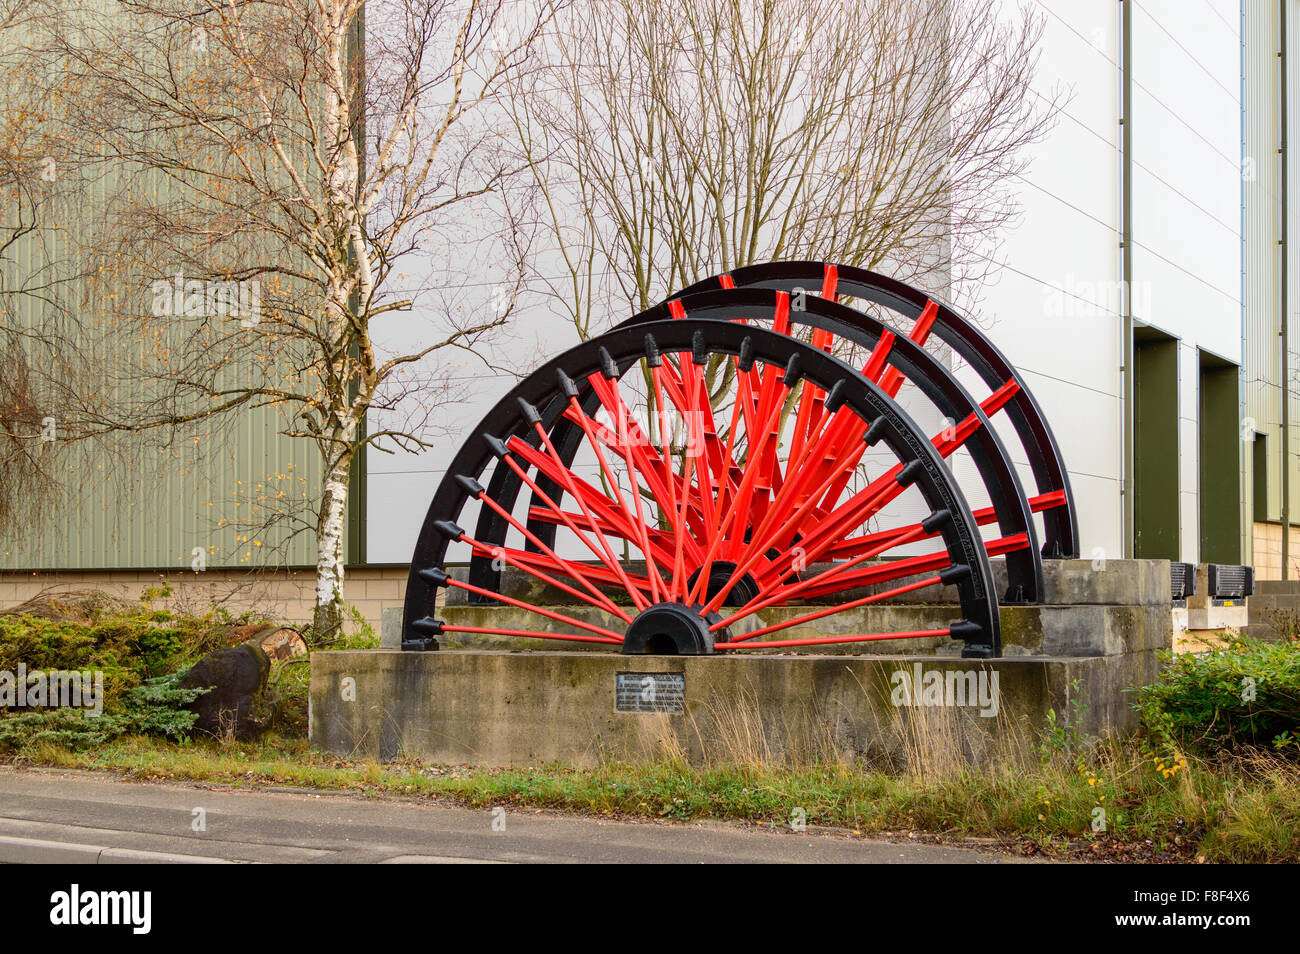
column 67, row 604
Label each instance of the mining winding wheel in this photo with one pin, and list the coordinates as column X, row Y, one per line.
column 712, row 458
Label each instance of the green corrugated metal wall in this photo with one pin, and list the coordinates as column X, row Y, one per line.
column 153, row 510
column 1261, row 353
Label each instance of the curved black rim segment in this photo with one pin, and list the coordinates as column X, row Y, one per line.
column 1054, row 497
column 709, row 502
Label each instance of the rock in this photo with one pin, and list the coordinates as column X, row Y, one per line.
column 236, row 703
column 280, row 644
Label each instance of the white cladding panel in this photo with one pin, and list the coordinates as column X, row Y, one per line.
column 1054, row 308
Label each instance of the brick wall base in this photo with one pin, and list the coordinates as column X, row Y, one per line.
column 1268, row 551
column 285, row 595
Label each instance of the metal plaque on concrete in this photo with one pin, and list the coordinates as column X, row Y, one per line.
column 650, row 692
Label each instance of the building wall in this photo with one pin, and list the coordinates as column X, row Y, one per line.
column 1269, row 380
column 1057, row 308
column 157, row 506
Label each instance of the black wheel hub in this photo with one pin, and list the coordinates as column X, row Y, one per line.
column 741, row 592
column 672, row 629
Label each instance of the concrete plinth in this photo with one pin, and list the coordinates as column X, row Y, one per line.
column 504, row 700
column 504, row 709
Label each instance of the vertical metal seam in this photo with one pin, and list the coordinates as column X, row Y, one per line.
column 1129, row 541
column 1285, row 305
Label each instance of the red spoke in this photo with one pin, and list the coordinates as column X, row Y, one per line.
column 892, row 380
column 769, row 473
column 601, row 599
column 532, row 634
column 853, row 512
column 828, row 640
column 715, row 535
column 908, row 566
column 999, row 398
column 606, row 557
column 639, row 452
column 812, row 400
column 569, row 480
column 670, row 479
column 759, row 602
column 533, row 562
column 839, row 608
column 737, row 511
column 763, row 538
column 636, row 520
column 549, row 614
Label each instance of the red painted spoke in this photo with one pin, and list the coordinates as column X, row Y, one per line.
column 626, row 446
column 724, row 505
column 769, row 472
column 606, row 556
column 666, row 455
column 739, row 511
column 829, row 640
column 786, row 592
column 661, row 542
column 849, row 429
column 765, row 537
column 881, row 573
column 853, row 512
column 605, row 514
column 839, row 608
column 549, row 614
column 841, row 524
column 709, row 489
column 632, row 442
column 701, row 485
column 643, row 459
column 999, row 398
column 534, row 562
column 961, row 434
column 600, row 598
column 908, row 566
column 570, row 483
column 634, row 520
column 532, row 634
column 1054, row 498
column 892, row 379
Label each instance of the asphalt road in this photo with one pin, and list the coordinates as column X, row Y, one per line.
column 84, row 817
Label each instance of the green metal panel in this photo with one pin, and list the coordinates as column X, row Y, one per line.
column 1155, row 470
column 1220, row 463
column 1259, row 477
column 1261, row 355
column 153, row 507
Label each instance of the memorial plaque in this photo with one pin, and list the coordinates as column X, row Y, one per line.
column 650, row 692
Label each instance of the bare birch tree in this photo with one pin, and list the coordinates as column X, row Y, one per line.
column 673, row 139
column 269, row 182
column 33, row 198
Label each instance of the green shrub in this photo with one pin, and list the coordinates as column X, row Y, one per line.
column 155, row 708
column 140, row 650
column 1247, row 694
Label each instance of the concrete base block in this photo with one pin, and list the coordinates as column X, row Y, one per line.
column 1042, row 630
column 1209, row 616
column 515, row 709
column 390, row 630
